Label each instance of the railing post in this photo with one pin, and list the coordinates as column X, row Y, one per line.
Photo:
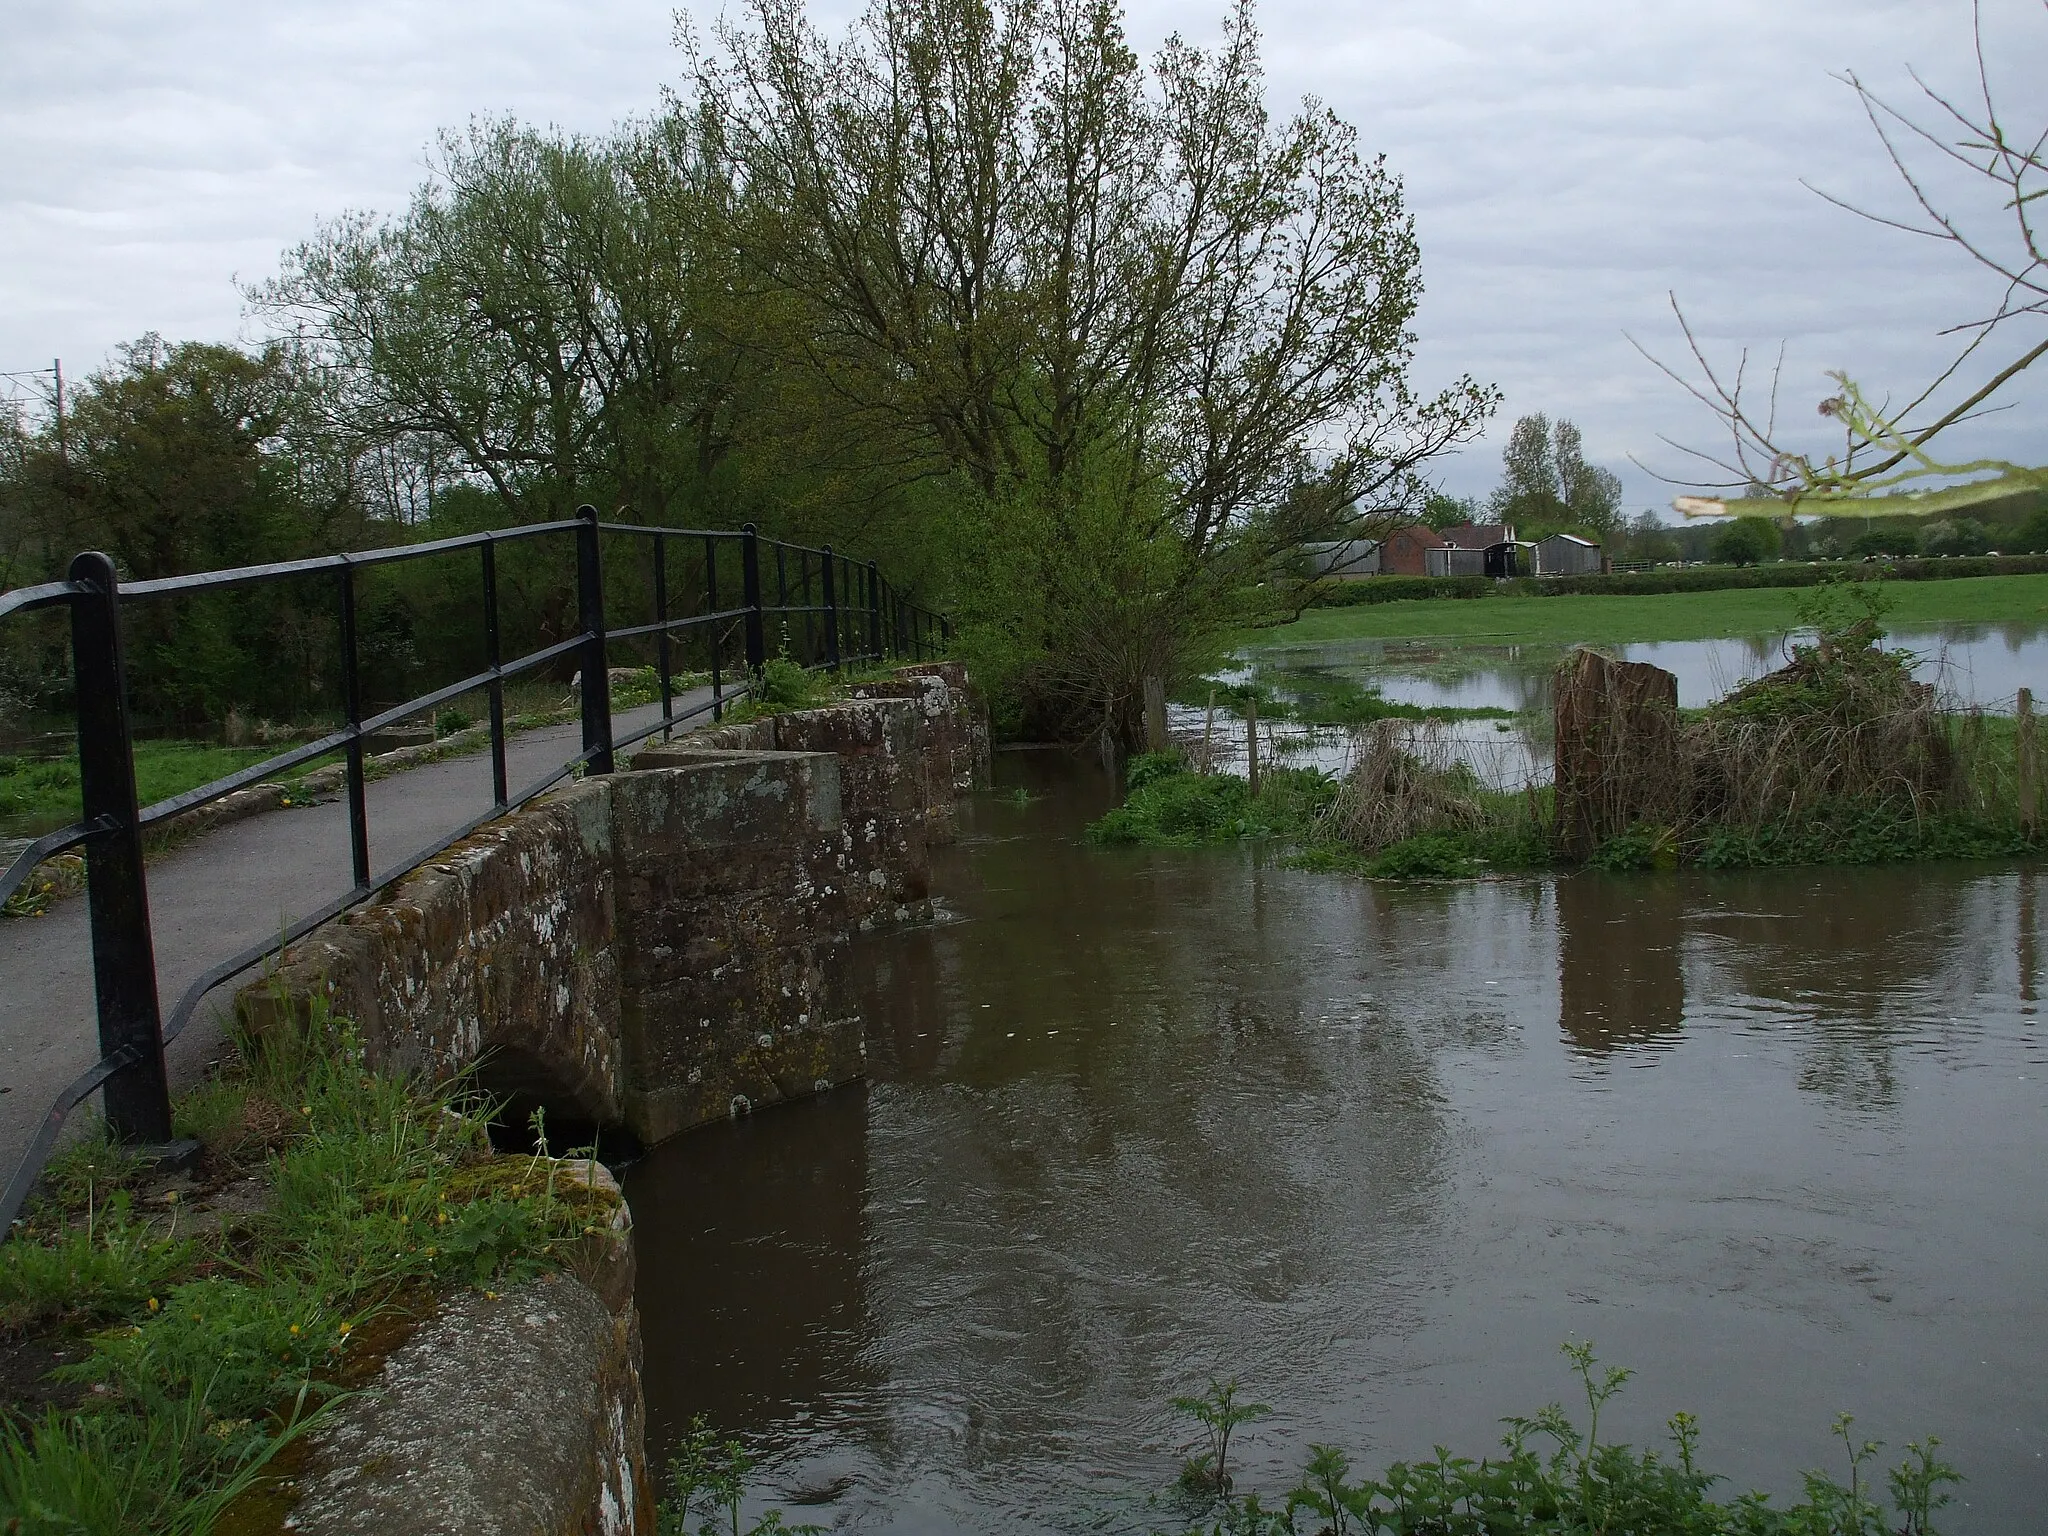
column 494, row 655
column 352, row 709
column 137, row 1098
column 711, row 629
column 831, row 595
column 750, row 593
column 597, row 693
column 668, row 708
column 874, row 611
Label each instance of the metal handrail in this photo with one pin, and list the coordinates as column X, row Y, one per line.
column 858, row 606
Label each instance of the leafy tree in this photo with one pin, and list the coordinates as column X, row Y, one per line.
column 1442, row 510
column 1746, row 541
column 535, row 319
column 186, row 458
column 1887, row 536
column 1648, row 539
column 1149, row 338
column 2032, row 537
column 1955, row 536
column 1547, row 483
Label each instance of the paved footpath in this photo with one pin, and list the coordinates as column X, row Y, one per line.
column 218, row 895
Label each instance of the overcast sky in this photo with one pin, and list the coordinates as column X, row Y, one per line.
column 1569, row 162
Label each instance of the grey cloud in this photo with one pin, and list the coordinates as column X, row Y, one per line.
column 1568, row 164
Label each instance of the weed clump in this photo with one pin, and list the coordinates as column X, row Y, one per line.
column 1577, row 1484
column 1168, row 807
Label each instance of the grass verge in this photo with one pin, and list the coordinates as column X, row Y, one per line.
column 177, row 1336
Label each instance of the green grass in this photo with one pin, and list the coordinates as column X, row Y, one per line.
column 200, row 1357
column 37, row 797
column 1599, row 619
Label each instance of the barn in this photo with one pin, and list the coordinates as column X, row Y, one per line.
column 1566, row 554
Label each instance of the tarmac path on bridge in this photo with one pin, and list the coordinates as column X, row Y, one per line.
column 220, row 894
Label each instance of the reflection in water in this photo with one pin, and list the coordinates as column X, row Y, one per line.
column 1620, row 969
column 1139, row 1118
column 759, row 1317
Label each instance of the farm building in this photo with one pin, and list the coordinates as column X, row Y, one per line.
column 1566, row 554
column 1343, row 559
column 1484, row 549
column 1405, row 551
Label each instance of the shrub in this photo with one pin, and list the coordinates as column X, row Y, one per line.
column 1955, row 536
column 1747, row 541
column 1432, row 856
column 1888, row 536
column 1172, row 808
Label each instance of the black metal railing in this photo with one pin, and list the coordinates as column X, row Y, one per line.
column 854, row 615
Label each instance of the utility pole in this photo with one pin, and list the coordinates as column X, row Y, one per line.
column 57, row 395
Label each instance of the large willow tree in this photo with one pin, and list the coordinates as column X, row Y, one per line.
column 1148, row 337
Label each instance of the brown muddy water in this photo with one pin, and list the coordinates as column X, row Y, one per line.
column 1141, row 1118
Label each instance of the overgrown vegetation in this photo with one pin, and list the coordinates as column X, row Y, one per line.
column 200, row 1333
column 1424, row 821
column 1557, row 1478
column 1837, row 757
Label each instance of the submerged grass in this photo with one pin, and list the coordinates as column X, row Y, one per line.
column 1323, row 698
column 199, row 1344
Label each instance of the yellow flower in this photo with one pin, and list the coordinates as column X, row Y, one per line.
column 152, row 1303
column 295, row 1330
column 346, row 1328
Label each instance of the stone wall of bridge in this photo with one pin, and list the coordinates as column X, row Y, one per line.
column 656, row 949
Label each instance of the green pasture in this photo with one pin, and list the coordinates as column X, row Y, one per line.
column 1597, row 618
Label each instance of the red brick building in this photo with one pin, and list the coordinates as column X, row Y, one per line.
column 1404, row 552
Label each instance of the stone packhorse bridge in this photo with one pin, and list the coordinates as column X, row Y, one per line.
column 639, row 953
column 648, row 951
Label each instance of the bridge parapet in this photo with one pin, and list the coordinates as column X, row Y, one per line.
column 653, row 950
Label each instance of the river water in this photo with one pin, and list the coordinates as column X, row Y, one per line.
column 1139, row 1118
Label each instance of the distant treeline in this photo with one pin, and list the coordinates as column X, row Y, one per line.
column 1080, row 347
column 1712, row 578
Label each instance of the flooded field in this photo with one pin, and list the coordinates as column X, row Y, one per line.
column 1138, row 1119
column 1981, row 664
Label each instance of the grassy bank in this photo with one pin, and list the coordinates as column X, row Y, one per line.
column 1603, row 619
column 166, row 1338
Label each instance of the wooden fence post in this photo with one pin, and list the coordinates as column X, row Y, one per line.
column 1251, row 740
column 2028, row 764
column 1155, row 715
